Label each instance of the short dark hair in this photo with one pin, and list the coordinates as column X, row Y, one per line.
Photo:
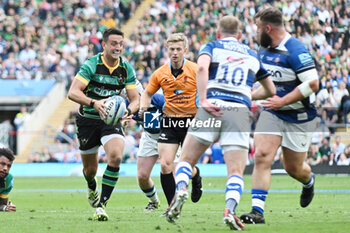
column 7, row 153
column 111, row 31
column 270, row 15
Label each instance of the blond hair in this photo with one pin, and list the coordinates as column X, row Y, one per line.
column 229, row 25
column 177, row 37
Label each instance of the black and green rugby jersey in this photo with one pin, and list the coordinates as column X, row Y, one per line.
column 103, row 81
column 6, row 185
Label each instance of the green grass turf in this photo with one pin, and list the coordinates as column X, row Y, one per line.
column 42, row 211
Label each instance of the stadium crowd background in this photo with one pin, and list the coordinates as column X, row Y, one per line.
column 50, row 39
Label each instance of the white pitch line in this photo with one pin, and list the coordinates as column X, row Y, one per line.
column 205, row 190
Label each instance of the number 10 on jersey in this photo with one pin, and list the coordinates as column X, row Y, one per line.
column 235, row 75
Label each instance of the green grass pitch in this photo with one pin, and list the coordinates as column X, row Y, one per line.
column 59, row 204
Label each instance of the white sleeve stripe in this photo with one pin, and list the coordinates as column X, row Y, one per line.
column 308, row 75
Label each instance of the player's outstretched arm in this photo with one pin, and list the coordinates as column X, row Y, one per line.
column 8, row 207
column 145, row 102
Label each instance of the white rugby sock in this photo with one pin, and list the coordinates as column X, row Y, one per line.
column 309, row 183
column 183, row 173
column 258, row 199
column 151, row 194
column 234, row 188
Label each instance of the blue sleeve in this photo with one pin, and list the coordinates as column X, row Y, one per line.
column 158, row 101
column 300, row 59
column 206, row 49
column 262, row 72
column 136, row 114
column 136, row 117
column 127, row 102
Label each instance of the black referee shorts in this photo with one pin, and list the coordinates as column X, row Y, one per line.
column 173, row 129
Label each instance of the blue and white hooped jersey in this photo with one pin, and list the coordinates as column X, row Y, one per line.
column 285, row 63
column 233, row 69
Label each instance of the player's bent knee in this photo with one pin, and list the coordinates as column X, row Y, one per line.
column 116, row 160
column 262, row 159
column 90, row 171
column 166, row 167
column 166, row 163
column 143, row 176
column 259, row 158
column 262, row 155
column 292, row 171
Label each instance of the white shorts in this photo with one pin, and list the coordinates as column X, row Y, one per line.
column 149, row 146
column 232, row 128
column 295, row 136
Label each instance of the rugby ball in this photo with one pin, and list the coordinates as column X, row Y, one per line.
column 116, row 109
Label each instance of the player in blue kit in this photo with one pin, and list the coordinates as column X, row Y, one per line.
column 288, row 119
column 147, row 154
column 226, row 72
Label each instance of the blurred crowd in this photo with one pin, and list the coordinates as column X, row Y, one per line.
column 65, row 148
column 43, row 39
column 50, row 39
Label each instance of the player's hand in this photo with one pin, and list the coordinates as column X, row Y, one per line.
column 211, row 108
column 125, row 122
column 127, row 117
column 10, row 207
column 141, row 111
column 101, row 108
column 274, row 102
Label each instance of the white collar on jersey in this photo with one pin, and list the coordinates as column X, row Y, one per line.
column 229, row 38
column 284, row 41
